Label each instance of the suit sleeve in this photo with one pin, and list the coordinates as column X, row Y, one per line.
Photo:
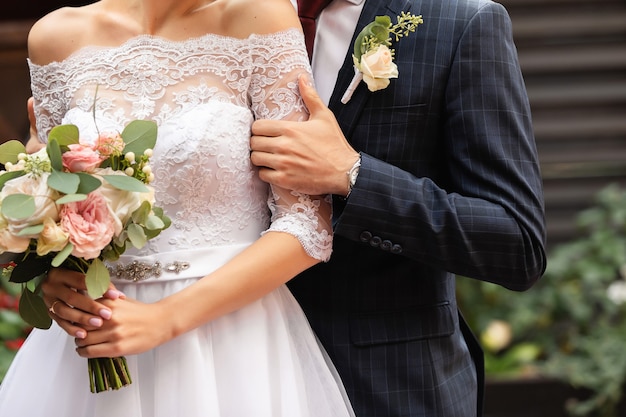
column 486, row 220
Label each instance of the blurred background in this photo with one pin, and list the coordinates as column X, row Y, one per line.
column 560, row 348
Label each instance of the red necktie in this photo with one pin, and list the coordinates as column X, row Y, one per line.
column 308, row 10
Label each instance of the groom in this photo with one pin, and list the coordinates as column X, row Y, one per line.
column 434, row 176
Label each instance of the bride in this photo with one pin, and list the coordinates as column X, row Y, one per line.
column 223, row 337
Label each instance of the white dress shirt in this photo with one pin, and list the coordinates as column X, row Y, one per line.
column 335, row 28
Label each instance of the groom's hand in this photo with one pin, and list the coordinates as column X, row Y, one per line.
column 312, row 157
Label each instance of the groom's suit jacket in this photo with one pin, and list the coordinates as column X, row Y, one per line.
column 449, row 185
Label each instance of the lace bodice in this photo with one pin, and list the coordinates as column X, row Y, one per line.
column 204, row 94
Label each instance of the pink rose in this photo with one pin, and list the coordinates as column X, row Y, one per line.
column 110, row 144
column 81, row 158
column 89, row 224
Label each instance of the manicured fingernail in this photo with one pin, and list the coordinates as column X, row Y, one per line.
column 112, row 294
column 105, row 314
column 81, row 334
column 306, row 79
column 95, row 321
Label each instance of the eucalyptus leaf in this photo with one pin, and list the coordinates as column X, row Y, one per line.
column 18, row 206
column 64, row 134
column 139, row 135
column 62, row 255
column 155, row 223
column 97, row 278
column 71, row 198
column 126, row 183
column 166, row 220
column 136, row 235
column 64, row 182
column 140, row 216
column 54, row 153
column 31, row 230
column 88, row 183
column 8, row 176
column 10, row 150
column 33, row 310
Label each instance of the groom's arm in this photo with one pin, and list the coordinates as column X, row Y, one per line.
column 488, row 222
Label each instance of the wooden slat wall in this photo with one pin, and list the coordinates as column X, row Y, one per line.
column 14, row 80
column 573, row 56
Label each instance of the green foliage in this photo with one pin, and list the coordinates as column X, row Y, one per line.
column 18, row 206
column 575, row 316
column 10, row 150
column 380, row 30
column 139, row 135
column 13, row 329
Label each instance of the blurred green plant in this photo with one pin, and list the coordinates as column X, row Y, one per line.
column 13, row 329
column 572, row 324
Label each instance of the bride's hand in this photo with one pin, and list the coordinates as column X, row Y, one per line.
column 134, row 328
column 33, row 144
column 74, row 311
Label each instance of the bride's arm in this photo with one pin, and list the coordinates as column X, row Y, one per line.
column 137, row 327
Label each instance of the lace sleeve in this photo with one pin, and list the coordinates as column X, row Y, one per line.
column 48, row 96
column 278, row 61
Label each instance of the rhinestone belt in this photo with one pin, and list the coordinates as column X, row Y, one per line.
column 139, row 271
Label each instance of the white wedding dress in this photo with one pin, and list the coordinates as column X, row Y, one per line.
column 260, row 361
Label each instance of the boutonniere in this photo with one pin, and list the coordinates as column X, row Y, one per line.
column 373, row 56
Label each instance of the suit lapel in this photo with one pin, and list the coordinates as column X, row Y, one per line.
column 347, row 114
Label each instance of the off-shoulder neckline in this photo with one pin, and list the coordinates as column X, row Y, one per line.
column 163, row 41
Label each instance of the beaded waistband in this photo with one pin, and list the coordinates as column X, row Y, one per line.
column 139, row 271
column 174, row 265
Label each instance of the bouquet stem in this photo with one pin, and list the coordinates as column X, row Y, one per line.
column 108, row 373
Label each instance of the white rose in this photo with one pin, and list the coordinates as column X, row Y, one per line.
column 377, row 67
column 45, row 200
column 122, row 203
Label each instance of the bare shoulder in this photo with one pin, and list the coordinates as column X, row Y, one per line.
column 245, row 17
column 60, row 33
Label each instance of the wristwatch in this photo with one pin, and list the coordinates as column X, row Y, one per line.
column 352, row 174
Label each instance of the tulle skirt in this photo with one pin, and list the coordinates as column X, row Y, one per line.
column 260, row 361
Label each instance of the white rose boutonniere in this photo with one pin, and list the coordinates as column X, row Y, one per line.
column 373, row 56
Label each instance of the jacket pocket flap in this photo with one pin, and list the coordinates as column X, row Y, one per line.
column 418, row 323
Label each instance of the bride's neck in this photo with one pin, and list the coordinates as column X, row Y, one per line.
column 153, row 15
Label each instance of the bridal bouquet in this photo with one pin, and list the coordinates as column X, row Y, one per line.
column 76, row 205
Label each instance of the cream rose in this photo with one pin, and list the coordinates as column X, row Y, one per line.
column 377, row 67
column 122, row 203
column 90, row 225
column 52, row 238
column 10, row 242
column 45, row 198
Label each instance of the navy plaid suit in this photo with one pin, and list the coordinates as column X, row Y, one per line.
column 449, row 184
